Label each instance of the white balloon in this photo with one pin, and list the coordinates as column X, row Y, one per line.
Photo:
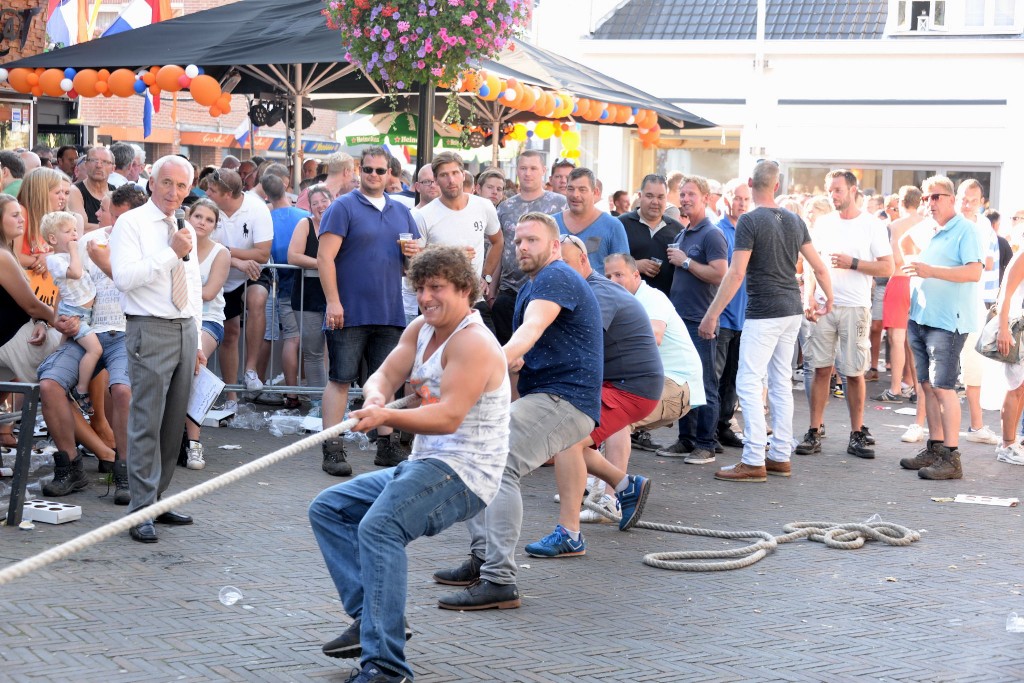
column 509, row 94
column 67, row 85
column 191, row 70
column 3, row 75
column 631, row 120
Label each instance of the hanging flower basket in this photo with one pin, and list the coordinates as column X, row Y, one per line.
column 401, row 43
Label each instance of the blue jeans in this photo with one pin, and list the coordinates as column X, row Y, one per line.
column 363, row 527
column 936, row 354
column 700, row 425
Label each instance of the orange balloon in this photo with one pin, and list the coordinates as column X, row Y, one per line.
column 102, row 87
column 50, row 82
column 154, row 91
column 85, row 83
column 102, row 74
column 215, row 111
column 167, row 77
column 18, row 78
column 529, row 98
column 225, row 107
column 205, row 90
column 122, row 83
column 33, row 79
column 148, row 78
column 37, row 90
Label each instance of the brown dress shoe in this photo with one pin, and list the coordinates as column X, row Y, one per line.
column 742, row 472
column 779, row 469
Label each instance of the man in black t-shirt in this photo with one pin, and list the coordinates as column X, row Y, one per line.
column 771, row 325
column 650, row 233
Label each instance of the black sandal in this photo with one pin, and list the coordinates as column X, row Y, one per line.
column 83, row 401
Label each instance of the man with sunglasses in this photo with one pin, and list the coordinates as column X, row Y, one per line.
column 855, row 246
column 359, row 233
column 943, row 311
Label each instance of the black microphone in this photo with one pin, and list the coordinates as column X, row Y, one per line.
column 179, row 215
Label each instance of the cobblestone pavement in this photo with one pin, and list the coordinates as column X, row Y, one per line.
column 934, row 611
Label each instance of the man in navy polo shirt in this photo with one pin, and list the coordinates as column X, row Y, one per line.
column 365, row 316
column 700, row 256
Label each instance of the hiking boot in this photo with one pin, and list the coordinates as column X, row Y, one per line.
column 631, row 501
column 465, row 574
column 194, row 454
column 68, row 475
column 121, row 494
column 677, row 450
column 335, row 463
column 926, row 457
column 777, row 468
column 868, row 439
column 811, row 443
column 482, row 595
column 699, row 456
column 641, row 439
column 557, row 544
column 859, row 446
column 742, row 472
column 347, row 645
column 390, row 451
column 947, row 465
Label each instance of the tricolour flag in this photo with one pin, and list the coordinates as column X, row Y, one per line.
column 67, row 22
column 147, row 115
column 243, row 131
column 139, row 13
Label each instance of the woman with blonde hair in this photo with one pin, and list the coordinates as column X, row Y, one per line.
column 43, row 190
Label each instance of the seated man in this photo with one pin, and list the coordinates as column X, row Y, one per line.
column 457, row 368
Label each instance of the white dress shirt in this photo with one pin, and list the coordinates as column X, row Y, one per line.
column 141, row 260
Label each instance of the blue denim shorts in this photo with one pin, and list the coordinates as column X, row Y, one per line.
column 61, row 366
column 936, row 354
column 84, row 316
column 348, row 346
column 215, row 330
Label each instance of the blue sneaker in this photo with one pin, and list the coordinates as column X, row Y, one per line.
column 371, row 673
column 557, row 544
column 632, row 499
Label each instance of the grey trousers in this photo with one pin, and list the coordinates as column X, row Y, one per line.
column 540, row 426
column 161, row 364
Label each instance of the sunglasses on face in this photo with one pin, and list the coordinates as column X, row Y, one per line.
column 935, row 196
column 370, row 169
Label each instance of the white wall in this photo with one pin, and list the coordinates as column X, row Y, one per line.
column 889, row 69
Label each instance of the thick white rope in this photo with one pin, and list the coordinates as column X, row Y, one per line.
column 30, row 564
column 834, row 535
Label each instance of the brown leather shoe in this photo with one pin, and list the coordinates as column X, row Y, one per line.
column 779, row 469
column 742, row 472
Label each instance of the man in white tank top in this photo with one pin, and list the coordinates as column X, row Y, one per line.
column 459, row 371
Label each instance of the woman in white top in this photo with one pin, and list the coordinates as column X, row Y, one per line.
column 214, row 263
column 1010, row 302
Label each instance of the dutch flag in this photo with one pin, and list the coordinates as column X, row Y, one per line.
column 243, row 131
column 66, row 22
column 139, row 13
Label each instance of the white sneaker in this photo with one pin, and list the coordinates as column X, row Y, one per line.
column 252, row 381
column 605, row 502
column 194, row 453
column 230, row 405
column 1012, row 454
column 914, row 433
column 983, row 435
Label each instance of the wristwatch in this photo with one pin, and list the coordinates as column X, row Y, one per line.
column 488, row 279
column 686, row 264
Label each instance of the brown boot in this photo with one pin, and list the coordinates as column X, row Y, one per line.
column 926, row 457
column 947, row 467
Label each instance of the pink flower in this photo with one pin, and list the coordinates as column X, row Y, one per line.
column 466, row 20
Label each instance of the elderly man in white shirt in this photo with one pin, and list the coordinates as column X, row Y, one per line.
column 155, row 266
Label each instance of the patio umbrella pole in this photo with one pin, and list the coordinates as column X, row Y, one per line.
column 297, row 125
column 425, row 133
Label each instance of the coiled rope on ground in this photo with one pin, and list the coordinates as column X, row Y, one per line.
column 842, row 536
column 149, row 513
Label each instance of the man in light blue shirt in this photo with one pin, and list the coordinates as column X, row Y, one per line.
column 943, row 310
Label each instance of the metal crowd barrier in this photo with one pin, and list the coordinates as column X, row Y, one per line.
column 29, row 406
column 313, row 392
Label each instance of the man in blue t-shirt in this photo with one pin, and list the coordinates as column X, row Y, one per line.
column 700, row 256
column 556, row 347
column 603, row 234
column 632, row 381
column 360, row 260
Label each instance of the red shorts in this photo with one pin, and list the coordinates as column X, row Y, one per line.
column 896, row 305
column 619, row 409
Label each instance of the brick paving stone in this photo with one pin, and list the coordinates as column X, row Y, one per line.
column 122, row 611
